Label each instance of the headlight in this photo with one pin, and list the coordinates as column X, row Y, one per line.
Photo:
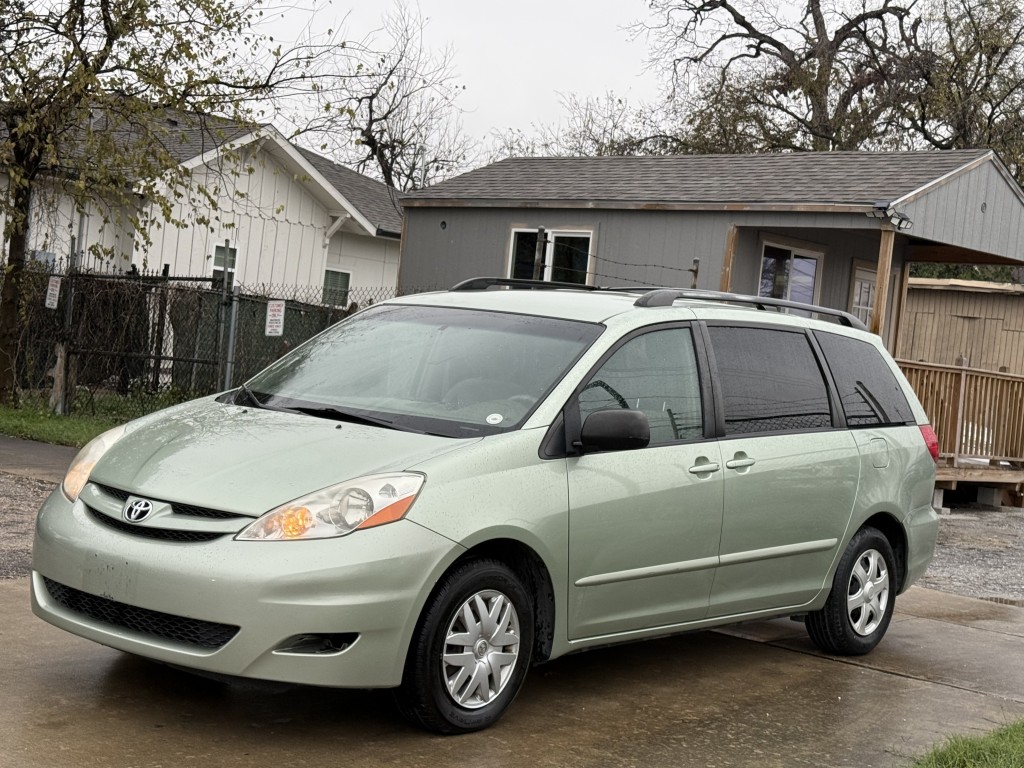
column 80, row 469
column 362, row 503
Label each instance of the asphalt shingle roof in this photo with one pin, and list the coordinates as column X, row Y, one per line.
column 782, row 179
column 379, row 203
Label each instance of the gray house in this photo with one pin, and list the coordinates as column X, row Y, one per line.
column 829, row 228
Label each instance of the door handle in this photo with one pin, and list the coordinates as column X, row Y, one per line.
column 740, row 461
column 704, row 468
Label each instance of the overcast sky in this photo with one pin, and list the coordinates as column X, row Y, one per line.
column 516, row 58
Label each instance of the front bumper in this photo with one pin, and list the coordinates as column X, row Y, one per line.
column 372, row 584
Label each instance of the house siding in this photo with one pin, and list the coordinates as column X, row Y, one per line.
column 371, row 262
column 951, row 213
column 274, row 223
column 633, row 247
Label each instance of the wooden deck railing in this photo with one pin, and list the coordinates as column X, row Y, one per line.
column 976, row 414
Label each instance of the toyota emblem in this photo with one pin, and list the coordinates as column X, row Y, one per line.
column 137, row 510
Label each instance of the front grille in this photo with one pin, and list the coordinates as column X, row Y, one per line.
column 203, row 634
column 162, row 534
column 179, row 509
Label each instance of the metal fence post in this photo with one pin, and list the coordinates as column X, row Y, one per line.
column 229, row 368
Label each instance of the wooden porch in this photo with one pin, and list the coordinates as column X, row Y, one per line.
column 978, row 417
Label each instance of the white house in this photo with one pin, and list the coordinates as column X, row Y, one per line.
column 283, row 216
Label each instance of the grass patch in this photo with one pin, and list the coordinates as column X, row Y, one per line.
column 1003, row 748
column 93, row 412
column 30, row 423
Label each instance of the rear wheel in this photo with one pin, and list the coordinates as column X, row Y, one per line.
column 471, row 650
column 860, row 605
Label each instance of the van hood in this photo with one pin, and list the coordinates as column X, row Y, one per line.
column 249, row 460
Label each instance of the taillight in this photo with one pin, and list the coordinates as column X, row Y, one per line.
column 931, row 440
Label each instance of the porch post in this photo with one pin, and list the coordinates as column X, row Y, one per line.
column 888, row 237
column 730, row 251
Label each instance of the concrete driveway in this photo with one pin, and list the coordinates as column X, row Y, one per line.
column 756, row 695
column 753, row 695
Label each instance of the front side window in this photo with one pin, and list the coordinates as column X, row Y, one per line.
column 566, row 256
column 655, row 373
column 770, row 381
column 789, row 274
column 453, row 372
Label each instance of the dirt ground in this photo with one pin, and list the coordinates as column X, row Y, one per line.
column 980, row 551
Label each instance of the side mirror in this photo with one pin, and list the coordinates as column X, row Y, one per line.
column 614, row 429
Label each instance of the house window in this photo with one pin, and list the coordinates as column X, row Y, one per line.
column 862, row 300
column 336, row 287
column 789, row 273
column 566, row 256
column 219, row 253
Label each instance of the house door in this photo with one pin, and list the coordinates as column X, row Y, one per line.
column 788, row 273
column 862, row 299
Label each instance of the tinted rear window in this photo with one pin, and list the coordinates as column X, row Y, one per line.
column 770, row 381
column 869, row 392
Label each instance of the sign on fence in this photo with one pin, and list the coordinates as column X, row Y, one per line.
column 52, row 292
column 275, row 319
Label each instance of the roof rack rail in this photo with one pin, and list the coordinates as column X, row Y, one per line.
column 664, row 297
column 483, row 283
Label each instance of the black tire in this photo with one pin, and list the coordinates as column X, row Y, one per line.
column 443, row 696
column 866, row 573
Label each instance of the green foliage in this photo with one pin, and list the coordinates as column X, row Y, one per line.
column 991, row 273
column 1003, row 748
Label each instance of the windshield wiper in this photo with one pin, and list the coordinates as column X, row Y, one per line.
column 330, row 412
column 250, row 396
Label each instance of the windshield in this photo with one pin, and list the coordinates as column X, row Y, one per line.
column 453, row 372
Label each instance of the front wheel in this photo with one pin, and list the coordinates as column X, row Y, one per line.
column 860, row 605
column 471, row 650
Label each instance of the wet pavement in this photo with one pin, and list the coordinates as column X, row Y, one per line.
column 753, row 695
column 39, row 461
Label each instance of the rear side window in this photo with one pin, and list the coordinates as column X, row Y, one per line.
column 869, row 392
column 770, row 381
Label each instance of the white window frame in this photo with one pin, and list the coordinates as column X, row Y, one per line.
column 795, row 248
column 549, row 250
column 347, row 290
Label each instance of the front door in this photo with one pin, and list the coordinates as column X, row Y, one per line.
column 644, row 525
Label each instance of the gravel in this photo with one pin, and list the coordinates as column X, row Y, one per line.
column 20, row 497
column 980, row 552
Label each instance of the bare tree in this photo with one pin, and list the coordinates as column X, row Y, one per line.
column 964, row 88
column 396, row 115
column 592, row 127
column 803, row 76
column 86, row 87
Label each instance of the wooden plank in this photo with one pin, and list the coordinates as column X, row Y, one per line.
column 730, row 251
column 979, row 474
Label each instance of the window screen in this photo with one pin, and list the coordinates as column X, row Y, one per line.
column 870, row 394
column 655, row 373
column 770, row 381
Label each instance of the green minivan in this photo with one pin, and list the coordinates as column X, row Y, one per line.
column 445, row 489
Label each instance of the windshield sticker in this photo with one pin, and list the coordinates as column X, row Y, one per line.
column 495, row 418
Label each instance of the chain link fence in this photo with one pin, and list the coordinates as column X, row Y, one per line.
column 127, row 344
